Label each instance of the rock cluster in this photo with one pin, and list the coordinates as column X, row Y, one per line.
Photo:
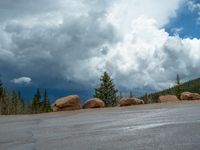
column 73, row 102
column 190, row 96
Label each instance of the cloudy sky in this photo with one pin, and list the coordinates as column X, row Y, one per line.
column 65, row 45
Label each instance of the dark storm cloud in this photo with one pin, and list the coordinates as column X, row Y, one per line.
column 51, row 53
column 17, row 9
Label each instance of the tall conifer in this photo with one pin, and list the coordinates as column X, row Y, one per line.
column 46, row 105
column 106, row 91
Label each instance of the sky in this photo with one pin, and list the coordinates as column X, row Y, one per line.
column 66, row 45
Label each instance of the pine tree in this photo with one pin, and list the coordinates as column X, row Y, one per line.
column 1, row 89
column 20, row 105
column 131, row 94
column 3, row 99
column 21, row 100
column 46, row 105
column 177, row 80
column 146, row 99
column 35, row 107
column 106, row 91
column 38, row 95
column 36, row 102
column 178, row 86
column 14, row 103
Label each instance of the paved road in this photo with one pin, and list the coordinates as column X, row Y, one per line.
column 149, row 127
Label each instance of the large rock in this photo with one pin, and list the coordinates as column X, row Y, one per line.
column 130, row 101
column 167, row 98
column 94, row 103
column 72, row 102
column 190, row 96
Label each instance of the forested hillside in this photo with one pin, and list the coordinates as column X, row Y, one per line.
column 191, row 86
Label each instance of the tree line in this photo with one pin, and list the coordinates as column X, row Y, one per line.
column 12, row 103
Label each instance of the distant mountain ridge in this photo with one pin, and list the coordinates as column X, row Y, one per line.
column 190, row 86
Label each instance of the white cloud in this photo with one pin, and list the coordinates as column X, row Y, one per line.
column 194, row 7
column 177, row 31
column 124, row 12
column 22, row 80
column 149, row 57
column 198, row 19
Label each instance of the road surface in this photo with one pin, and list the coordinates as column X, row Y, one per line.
column 148, row 127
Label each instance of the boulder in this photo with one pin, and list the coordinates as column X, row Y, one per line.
column 139, row 102
column 190, row 96
column 167, row 98
column 130, row 101
column 94, row 103
column 71, row 102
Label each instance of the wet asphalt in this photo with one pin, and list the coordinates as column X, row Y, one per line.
column 148, row 127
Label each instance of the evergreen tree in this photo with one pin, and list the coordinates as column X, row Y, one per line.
column 106, row 91
column 178, row 86
column 1, row 89
column 14, row 103
column 22, row 103
column 131, row 94
column 46, row 105
column 146, row 99
column 36, row 102
column 178, row 80
column 3, row 100
column 38, row 95
column 35, row 107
